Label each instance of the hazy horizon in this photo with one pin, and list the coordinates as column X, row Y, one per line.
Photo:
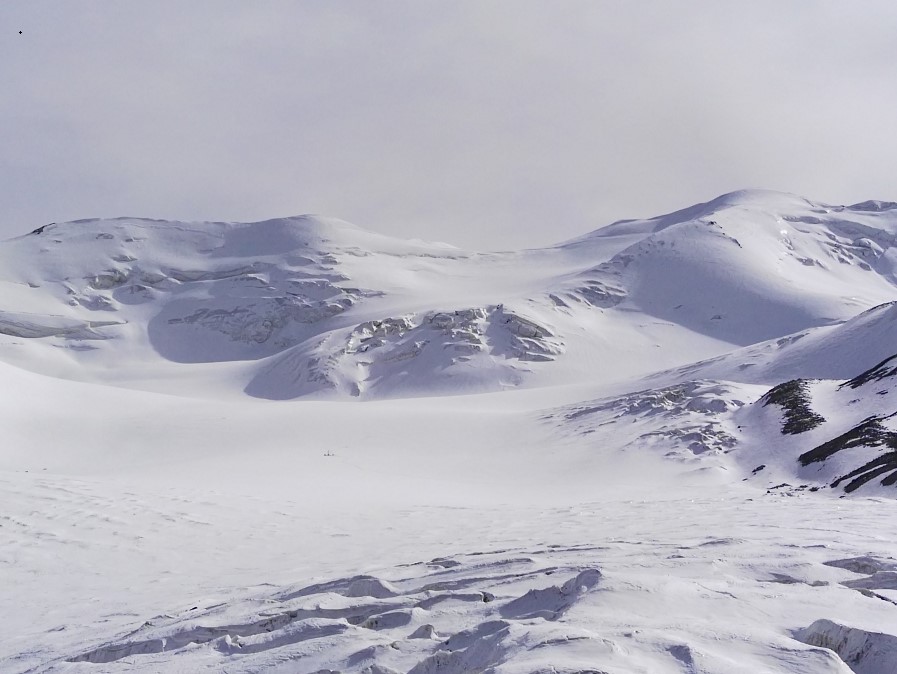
column 482, row 124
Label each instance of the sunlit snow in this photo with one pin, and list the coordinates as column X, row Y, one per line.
column 666, row 446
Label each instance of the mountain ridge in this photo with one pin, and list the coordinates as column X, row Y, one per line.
column 253, row 291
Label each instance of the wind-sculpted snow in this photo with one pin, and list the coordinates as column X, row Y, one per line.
column 625, row 605
column 597, row 287
column 461, row 614
column 866, row 652
column 722, row 580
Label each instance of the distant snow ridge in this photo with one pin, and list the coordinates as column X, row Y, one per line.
column 200, row 282
column 315, row 307
column 753, row 292
column 831, row 352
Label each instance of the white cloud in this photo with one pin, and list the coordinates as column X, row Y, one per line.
column 480, row 123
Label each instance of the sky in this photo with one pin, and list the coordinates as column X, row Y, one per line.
column 483, row 123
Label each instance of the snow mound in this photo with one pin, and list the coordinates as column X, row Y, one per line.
column 473, row 349
column 866, row 652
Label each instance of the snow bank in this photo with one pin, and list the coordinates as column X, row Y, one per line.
column 866, row 652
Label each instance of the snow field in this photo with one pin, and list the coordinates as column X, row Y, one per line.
column 296, row 446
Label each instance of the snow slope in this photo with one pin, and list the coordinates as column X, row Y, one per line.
column 840, row 433
column 311, row 306
column 555, row 468
column 830, row 352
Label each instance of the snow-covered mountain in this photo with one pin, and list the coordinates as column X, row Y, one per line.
column 312, row 307
column 597, row 444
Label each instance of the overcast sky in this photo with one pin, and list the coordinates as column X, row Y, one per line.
column 484, row 124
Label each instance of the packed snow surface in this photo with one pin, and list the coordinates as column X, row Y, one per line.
column 297, row 446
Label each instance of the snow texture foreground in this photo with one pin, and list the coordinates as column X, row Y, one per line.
column 296, row 446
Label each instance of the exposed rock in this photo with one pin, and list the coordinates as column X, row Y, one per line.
column 883, row 370
column 793, row 397
column 869, row 433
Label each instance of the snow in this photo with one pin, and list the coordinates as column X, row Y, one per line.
column 867, row 652
column 297, row 446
